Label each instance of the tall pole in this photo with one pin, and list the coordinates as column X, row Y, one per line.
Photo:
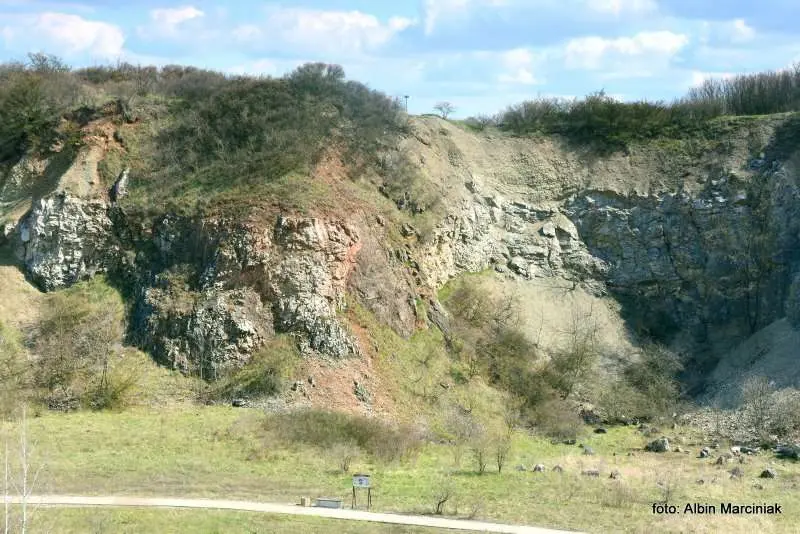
column 406, row 98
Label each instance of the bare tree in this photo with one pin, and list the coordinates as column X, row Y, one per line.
column 6, row 497
column 501, row 450
column 444, row 109
column 443, row 492
column 757, row 400
column 573, row 364
column 26, row 484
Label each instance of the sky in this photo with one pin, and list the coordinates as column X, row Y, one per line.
column 480, row 55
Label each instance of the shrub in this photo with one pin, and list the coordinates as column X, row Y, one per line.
column 14, row 372
column 264, row 375
column 444, row 491
column 110, row 390
column 501, row 448
column 655, row 377
column 345, row 454
column 328, row 429
column 481, row 451
column 557, row 419
column 479, row 123
column 76, row 341
column 792, row 306
column 613, row 125
column 784, row 416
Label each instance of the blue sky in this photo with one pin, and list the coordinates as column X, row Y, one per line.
column 481, row 55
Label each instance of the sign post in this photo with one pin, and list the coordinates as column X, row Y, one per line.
column 361, row 481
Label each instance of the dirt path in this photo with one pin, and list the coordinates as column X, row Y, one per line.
column 350, row 515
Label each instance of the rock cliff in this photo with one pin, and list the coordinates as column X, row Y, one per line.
column 699, row 249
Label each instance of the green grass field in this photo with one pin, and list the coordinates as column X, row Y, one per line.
column 221, row 452
column 168, row 521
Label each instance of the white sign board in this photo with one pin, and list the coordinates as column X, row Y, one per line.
column 361, row 481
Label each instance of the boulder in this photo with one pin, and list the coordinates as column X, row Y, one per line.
column 768, row 473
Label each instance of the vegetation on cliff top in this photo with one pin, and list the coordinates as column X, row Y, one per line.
column 191, row 134
column 611, row 124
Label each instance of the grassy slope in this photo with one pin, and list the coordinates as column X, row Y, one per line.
column 219, row 452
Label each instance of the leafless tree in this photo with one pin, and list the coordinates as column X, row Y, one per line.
column 444, row 492
column 444, row 109
column 6, row 497
column 501, row 450
column 25, row 486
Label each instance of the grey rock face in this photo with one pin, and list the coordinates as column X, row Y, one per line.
column 209, row 292
column 64, row 239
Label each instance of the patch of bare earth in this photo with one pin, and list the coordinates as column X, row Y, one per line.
column 334, row 383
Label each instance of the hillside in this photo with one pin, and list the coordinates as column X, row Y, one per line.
column 307, row 216
column 237, row 287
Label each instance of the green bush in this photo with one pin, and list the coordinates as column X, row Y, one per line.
column 609, row 124
column 264, row 375
column 109, row 390
column 76, row 342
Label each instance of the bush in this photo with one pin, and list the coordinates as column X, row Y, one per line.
column 784, row 414
column 77, row 339
column 444, row 491
column 651, row 383
column 479, row 123
column 345, row 454
column 110, row 390
column 33, row 99
column 792, row 306
column 485, row 333
column 557, row 419
column 327, row 430
column 612, row 125
column 14, row 372
column 264, row 375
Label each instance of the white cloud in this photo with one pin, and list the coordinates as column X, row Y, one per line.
column 593, row 52
column 519, row 66
column 741, row 32
column 64, row 34
column 167, row 22
column 438, row 10
column 620, row 7
column 731, row 31
column 322, row 31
